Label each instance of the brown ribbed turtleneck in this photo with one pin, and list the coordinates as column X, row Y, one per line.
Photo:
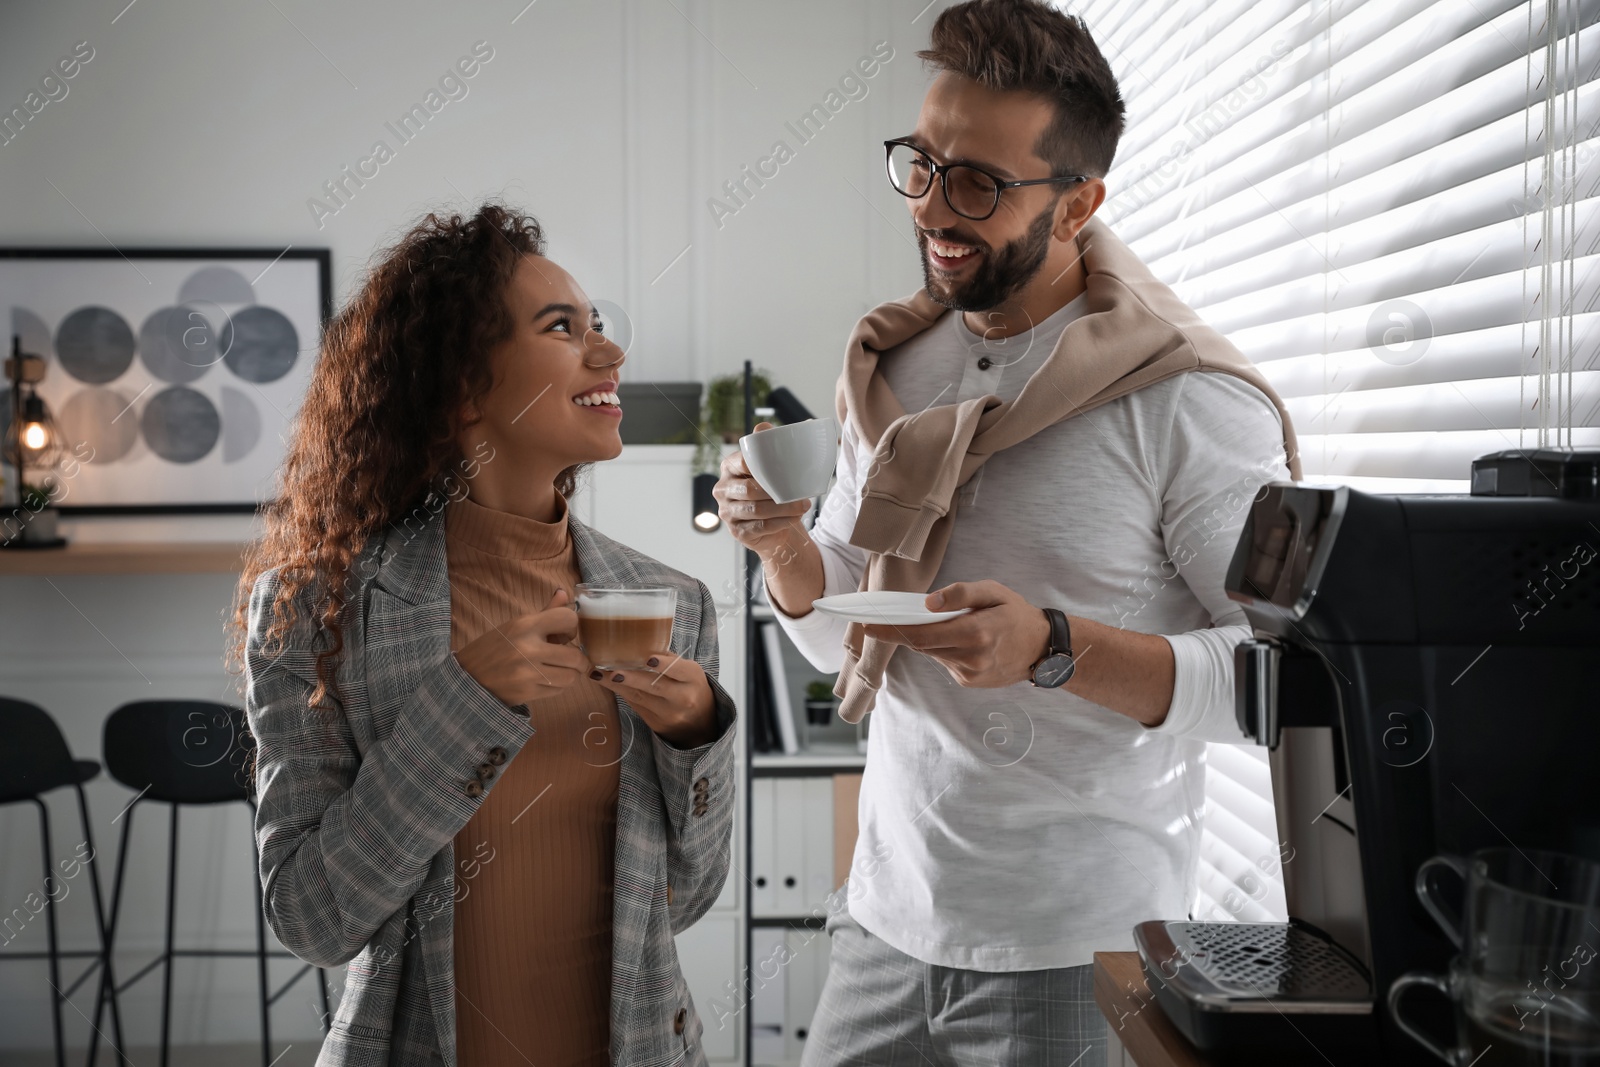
column 534, row 866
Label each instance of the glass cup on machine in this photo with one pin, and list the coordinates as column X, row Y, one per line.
column 1526, row 984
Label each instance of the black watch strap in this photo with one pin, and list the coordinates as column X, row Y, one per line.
column 1055, row 667
column 1060, row 632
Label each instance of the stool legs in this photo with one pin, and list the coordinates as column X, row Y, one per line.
column 166, row 968
column 107, row 974
column 327, row 1012
column 108, row 986
column 50, row 926
column 261, row 967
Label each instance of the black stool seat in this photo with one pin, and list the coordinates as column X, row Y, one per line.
column 78, row 772
column 35, row 758
column 179, row 751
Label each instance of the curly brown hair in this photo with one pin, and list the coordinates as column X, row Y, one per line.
column 376, row 437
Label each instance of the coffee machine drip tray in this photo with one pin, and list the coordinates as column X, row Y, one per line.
column 1226, row 985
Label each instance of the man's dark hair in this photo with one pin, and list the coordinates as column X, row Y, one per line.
column 1030, row 46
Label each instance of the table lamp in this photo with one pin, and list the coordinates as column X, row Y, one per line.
column 32, row 440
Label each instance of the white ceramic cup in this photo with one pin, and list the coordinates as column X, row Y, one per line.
column 793, row 462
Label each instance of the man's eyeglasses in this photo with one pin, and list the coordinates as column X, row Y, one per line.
column 971, row 192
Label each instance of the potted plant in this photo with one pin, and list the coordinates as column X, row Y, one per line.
column 722, row 415
column 820, row 703
column 39, row 518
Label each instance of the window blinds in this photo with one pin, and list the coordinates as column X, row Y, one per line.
column 1240, row 874
column 1392, row 207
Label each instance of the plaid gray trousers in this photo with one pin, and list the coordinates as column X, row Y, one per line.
column 882, row 1008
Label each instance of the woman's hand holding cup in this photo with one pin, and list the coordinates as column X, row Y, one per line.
column 533, row 657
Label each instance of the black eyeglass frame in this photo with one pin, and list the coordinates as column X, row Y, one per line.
column 940, row 169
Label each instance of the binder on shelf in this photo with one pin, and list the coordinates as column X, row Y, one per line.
column 789, row 836
column 763, row 897
column 817, row 842
column 808, row 969
column 764, row 731
column 782, row 708
column 769, row 1005
column 802, row 835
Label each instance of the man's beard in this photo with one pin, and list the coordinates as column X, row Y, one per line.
column 1000, row 276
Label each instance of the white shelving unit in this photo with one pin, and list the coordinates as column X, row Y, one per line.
column 794, row 853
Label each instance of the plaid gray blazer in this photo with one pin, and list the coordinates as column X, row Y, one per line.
column 356, row 812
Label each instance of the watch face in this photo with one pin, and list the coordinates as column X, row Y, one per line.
column 1053, row 671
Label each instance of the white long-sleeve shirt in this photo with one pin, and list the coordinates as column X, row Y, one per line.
column 1023, row 828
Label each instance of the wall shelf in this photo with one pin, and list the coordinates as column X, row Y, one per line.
column 148, row 557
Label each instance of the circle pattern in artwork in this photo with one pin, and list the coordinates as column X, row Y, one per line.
column 177, row 344
column 107, row 415
column 94, row 345
column 100, row 418
column 260, row 344
column 180, row 425
column 216, row 285
column 241, row 425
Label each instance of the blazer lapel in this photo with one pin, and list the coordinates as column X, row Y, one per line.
column 408, row 617
column 407, row 631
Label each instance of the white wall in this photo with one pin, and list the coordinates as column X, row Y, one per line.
column 614, row 122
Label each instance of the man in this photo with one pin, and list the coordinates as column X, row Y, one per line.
column 1069, row 459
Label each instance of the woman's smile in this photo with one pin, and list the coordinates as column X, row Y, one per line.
column 601, row 399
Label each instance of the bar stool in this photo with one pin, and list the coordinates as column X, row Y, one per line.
column 33, row 761
column 190, row 752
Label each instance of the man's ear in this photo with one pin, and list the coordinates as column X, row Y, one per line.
column 1077, row 207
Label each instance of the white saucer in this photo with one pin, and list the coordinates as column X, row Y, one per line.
column 885, row 607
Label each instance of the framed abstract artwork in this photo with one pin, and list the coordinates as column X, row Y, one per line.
column 173, row 374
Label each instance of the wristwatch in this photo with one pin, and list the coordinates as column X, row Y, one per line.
column 1055, row 667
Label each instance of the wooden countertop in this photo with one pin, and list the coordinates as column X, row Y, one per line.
column 147, row 557
column 1135, row 1019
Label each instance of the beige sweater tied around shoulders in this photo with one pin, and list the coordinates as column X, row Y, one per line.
column 1135, row 332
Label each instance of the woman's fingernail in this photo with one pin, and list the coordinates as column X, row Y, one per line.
column 595, row 674
column 616, row 677
column 652, row 662
column 935, row 601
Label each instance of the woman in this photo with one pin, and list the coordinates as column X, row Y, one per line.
column 500, row 840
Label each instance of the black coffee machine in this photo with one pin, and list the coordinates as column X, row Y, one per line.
column 1426, row 672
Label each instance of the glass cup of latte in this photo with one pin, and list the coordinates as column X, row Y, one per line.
column 624, row 627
